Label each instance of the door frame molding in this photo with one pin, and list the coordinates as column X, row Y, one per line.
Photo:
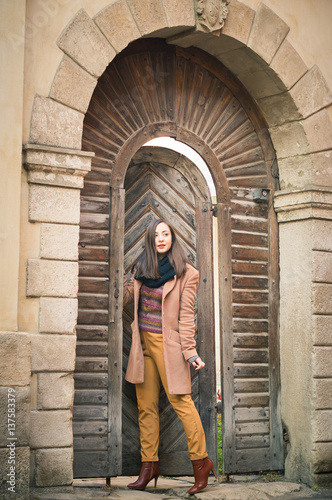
column 117, row 179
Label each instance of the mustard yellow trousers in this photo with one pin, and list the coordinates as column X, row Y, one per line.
column 148, row 398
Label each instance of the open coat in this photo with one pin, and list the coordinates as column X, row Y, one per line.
column 178, row 326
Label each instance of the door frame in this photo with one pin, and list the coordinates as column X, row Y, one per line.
column 118, row 158
column 190, row 174
column 117, row 213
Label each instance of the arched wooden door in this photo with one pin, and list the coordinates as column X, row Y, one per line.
column 153, row 89
column 156, row 190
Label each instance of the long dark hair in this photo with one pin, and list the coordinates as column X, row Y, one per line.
column 147, row 264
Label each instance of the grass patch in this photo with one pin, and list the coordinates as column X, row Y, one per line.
column 219, row 426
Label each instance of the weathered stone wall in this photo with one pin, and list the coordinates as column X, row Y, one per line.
column 55, row 177
column 305, row 330
column 15, row 355
column 266, row 46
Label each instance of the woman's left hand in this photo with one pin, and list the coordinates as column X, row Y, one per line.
column 198, row 363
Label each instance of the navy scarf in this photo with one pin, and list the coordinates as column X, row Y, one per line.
column 166, row 272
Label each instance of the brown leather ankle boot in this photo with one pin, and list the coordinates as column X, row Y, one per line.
column 149, row 470
column 202, row 469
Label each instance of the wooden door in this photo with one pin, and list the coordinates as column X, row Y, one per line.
column 153, row 190
column 156, row 190
column 153, row 89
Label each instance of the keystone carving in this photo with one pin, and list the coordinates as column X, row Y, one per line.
column 212, row 13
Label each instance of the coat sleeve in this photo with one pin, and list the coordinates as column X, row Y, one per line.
column 187, row 314
column 128, row 290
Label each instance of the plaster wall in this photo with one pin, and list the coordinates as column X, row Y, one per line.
column 12, row 16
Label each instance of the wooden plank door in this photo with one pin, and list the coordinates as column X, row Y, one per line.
column 152, row 191
column 159, row 191
column 154, row 87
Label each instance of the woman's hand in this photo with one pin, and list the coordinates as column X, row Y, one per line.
column 198, row 364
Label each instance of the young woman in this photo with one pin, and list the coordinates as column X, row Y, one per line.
column 163, row 346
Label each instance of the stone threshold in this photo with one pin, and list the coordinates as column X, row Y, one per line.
column 239, row 487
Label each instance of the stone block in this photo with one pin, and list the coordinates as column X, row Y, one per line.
column 180, row 13
column 51, row 429
column 52, row 158
column 115, row 16
column 56, row 166
column 322, row 457
column 295, row 172
column 51, row 278
column 82, row 40
column 322, row 330
column 59, row 241
column 322, row 267
column 289, row 139
column 22, row 474
column 322, row 393
column 279, row 109
column 57, row 315
column 288, row 65
column 322, row 366
column 15, row 355
column 72, row 85
column 263, row 83
column 322, row 235
column 307, row 203
column 21, row 408
column 214, row 45
column 322, row 480
column 239, row 21
column 43, row 176
column 242, row 61
column 322, row 425
column 149, row 16
column 322, row 298
column 54, row 204
column 54, row 467
column 55, row 391
column 267, row 33
column 322, row 168
column 53, row 353
column 54, row 124
column 311, row 92
column 318, row 128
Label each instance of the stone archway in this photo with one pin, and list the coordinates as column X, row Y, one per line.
column 301, row 135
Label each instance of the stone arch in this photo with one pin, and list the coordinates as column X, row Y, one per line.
column 253, row 45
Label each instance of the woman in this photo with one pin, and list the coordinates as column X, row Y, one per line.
column 164, row 290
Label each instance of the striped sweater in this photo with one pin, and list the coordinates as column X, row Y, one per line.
column 149, row 311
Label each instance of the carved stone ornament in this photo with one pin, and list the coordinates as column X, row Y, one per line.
column 212, row 13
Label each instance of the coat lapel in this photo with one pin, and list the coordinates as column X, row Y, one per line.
column 168, row 287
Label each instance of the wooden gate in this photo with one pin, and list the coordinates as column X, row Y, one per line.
column 179, row 195
column 156, row 190
column 153, row 89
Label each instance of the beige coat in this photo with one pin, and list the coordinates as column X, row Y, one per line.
column 178, row 326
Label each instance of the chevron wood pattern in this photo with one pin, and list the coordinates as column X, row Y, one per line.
column 153, row 193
